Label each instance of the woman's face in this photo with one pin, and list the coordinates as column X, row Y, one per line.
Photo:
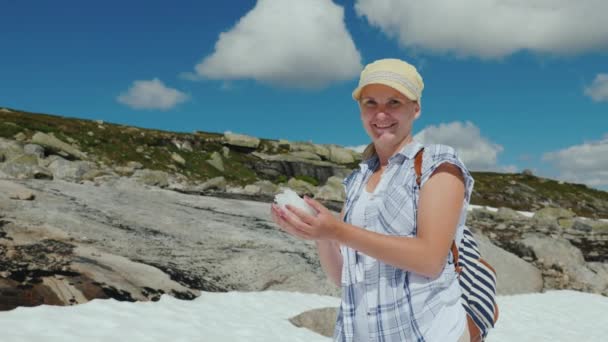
column 387, row 114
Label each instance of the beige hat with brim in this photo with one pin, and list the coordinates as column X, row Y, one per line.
column 394, row 73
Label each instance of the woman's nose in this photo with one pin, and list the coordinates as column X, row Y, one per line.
column 381, row 113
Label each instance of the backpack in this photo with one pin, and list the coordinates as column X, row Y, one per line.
column 476, row 277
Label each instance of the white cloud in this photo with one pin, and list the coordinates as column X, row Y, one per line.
column 598, row 90
column 491, row 29
column 586, row 163
column 151, row 94
column 291, row 43
column 477, row 152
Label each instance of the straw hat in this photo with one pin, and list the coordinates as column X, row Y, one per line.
column 394, row 73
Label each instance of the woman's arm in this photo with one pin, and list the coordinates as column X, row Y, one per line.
column 331, row 258
column 439, row 209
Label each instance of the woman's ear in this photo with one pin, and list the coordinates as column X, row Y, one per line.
column 418, row 110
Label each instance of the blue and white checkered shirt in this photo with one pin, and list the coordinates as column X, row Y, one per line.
column 401, row 305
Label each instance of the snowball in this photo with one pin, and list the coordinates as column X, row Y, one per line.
column 288, row 196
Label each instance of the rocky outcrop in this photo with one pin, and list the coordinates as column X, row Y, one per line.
column 56, row 145
column 549, row 243
column 289, row 165
column 44, row 266
column 202, row 243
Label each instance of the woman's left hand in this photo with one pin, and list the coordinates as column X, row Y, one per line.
column 323, row 226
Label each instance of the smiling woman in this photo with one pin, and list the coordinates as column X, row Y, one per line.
column 395, row 250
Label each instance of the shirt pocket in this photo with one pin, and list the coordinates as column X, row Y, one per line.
column 397, row 213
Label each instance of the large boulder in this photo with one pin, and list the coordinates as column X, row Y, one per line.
column 25, row 166
column 152, row 177
column 70, row 170
column 241, row 140
column 333, row 190
column 322, row 321
column 560, row 255
column 56, row 145
column 340, row 155
column 514, row 275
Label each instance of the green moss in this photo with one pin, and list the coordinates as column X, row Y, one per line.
column 308, row 179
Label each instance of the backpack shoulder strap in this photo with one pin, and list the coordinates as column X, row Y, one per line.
column 418, row 165
column 418, row 169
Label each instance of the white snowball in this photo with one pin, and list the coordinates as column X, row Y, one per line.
column 288, row 196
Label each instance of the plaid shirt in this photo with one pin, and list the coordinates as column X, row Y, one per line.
column 401, row 305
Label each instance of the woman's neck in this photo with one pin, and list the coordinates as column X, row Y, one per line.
column 385, row 152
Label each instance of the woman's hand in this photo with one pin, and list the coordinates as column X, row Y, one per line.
column 323, row 226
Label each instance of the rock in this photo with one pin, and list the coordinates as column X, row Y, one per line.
column 217, row 183
column 340, row 155
column 124, row 170
column 506, row 214
column 301, row 187
column 322, row 321
column 9, row 149
column 562, row 254
column 553, row 214
column 581, row 225
column 135, row 165
column 289, row 166
column 527, row 172
column 91, row 175
column 322, row 151
column 216, row 161
column 152, row 177
column 182, row 145
column 34, row 149
column 241, row 140
column 25, row 167
column 263, row 187
column 225, row 152
column 25, row 195
column 333, row 190
column 514, row 276
column 178, row 159
column 70, row 170
column 305, row 155
column 20, row 136
column 57, row 145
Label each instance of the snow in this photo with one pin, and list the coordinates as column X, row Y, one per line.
column 263, row 316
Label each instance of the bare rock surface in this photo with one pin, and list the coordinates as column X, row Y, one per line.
column 202, row 243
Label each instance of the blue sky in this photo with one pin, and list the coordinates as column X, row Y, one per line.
column 512, row 85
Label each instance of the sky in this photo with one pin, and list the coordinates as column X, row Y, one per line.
column 511, row 84
column 560, row 316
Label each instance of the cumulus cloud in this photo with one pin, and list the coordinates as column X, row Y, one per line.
column 151, row 94
column 491, row 29
column 586, row 163
column 598, row 90
column 477, row 152
column 292, row 43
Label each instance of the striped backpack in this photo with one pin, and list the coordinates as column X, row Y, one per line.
column 476, row 277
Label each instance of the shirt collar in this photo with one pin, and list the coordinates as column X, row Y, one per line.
column 408, row 151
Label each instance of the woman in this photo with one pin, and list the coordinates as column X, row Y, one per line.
column 390, row 252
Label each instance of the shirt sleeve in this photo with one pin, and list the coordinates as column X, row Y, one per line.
column 435, row 155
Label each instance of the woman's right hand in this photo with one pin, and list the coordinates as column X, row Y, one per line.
column 278, row 215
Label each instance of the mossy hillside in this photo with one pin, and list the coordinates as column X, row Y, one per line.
column 115, row 144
